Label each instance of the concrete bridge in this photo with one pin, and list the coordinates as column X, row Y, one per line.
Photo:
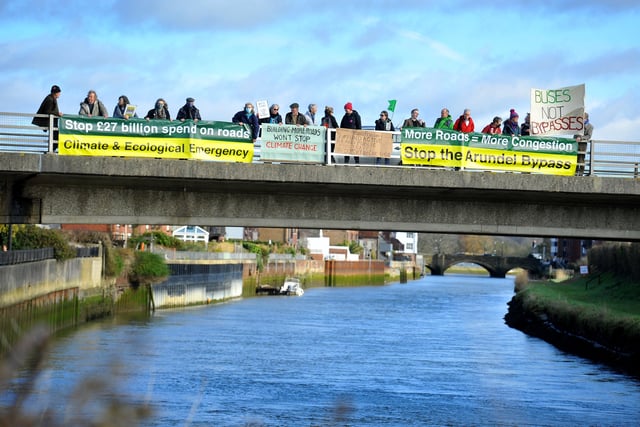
column 497, row 266
column 53, row 189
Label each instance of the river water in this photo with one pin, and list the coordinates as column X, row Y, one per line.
column 431, row 352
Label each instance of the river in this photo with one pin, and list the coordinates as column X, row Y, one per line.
column 431, row 352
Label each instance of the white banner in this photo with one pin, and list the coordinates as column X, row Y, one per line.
column 557, row 111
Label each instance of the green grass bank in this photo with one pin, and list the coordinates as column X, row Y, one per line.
column 596, row 317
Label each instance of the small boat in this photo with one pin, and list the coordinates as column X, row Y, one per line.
column 292, row 286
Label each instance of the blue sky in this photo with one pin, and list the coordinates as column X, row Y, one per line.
column 481, row 55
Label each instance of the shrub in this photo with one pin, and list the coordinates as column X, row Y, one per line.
column 147, row 268
column 159, row 238
column 521, row 280
column 32, row 237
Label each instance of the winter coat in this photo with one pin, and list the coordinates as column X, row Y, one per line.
column 95, row 110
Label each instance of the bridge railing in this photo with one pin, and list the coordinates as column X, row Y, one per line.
column 602, row 158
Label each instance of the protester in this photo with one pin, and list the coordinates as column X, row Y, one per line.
column 444, row 121
column 248, row 117
column 465, row 122
column 493, row 127
column 274, row 115
column 583, row 141
column 351, row 120
column 294, row 117
column 414, row 121
column 525, row 128
column 160, row 111
column 120, row 110
column 385, row 124
column 511, row 126
column 330, row 122
column 189, row 111
column 310, row 115
column 92, row 106
column 49, row 106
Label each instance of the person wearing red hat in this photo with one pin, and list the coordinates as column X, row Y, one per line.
column 351, row 120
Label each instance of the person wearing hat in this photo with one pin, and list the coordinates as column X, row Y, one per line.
column 189, row 111
column 511, row 126
column 294, row 117
column 49, row 106
column 351, row 120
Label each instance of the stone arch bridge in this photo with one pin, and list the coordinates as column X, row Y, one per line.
column 497, row 266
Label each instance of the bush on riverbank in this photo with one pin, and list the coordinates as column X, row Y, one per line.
column 32, row 237
column 148, row 268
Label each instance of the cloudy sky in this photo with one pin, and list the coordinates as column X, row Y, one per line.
column 460, row 54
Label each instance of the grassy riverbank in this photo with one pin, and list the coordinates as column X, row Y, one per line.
column 595, row 316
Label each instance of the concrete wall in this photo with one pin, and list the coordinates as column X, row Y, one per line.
column 21, row 282
column 51, row 189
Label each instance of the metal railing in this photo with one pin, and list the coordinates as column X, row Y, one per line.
column 27, row 255
column 601, row 158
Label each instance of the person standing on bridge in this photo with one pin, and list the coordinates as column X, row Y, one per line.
column 414, row 121
column 384, row 123
column 159, row 112
column 444, row 121
column 583, row 140
column 525, row 128
column 493, row 128
column 92, row 106
column 294, row 117
column 120, row 110
column 511, row 126
column 189, row 111
column 465, row 122
column 248, row 117
column 274, row 116
column 329, row 121
column 49, row 106
column 351, row 120
column 310, row 115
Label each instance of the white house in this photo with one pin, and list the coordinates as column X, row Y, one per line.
column 191, row 233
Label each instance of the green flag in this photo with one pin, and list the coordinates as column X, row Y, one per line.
column 392, row 105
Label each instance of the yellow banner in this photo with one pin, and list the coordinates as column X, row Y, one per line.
column 488, row 159
column 166, row 148
column 530, row 161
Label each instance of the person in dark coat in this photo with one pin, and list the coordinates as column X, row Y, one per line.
column 274, row 115
column 159, row 112
column 351, row 120
column 189, row 111
column 49, row 106
column 248, row 117
column 384, row 123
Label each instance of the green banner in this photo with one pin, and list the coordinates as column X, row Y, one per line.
column 449, row 148
column 217, row 141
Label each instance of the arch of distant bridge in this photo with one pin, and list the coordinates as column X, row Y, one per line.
column 497, row 266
